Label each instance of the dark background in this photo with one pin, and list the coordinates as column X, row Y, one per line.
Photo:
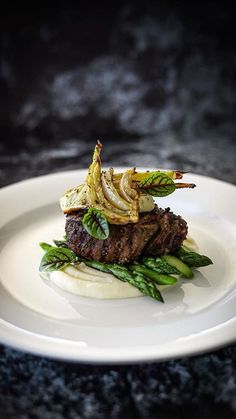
column 155, row 82
column 156, row 75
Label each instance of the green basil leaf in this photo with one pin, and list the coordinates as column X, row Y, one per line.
column 56, row 258
column 95, row 223
column 157, row 184
column 45, row 246
column 192, row 259
column 61, row 243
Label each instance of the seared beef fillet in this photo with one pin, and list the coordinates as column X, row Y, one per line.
column 172, row 230
column 157, row 233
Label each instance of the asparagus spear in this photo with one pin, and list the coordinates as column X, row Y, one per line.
column 159, row 278
column 159, row 265
column 96, row 265
column 136, row 279
column 191, row 258
column 178, row 264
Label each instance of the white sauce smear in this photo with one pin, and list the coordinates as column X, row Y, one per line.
column 88, row 282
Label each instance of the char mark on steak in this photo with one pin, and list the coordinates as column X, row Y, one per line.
column 157, row 233
column 172, row 231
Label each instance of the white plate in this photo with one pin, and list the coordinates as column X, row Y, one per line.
column 198, row 315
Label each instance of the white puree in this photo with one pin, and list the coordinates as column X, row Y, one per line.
column 88, row 282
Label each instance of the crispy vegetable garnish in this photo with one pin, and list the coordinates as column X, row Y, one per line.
column 119, row 206
column 119, row 196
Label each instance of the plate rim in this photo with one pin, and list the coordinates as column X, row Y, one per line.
column 114, row 356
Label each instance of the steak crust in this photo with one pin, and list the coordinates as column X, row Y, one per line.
column 158, row 232
column 172, row 231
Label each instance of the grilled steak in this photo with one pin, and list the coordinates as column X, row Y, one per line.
column 172, row 230
column 157, row 232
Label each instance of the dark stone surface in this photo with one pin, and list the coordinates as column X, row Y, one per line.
column 156, row 83
column 198, row 387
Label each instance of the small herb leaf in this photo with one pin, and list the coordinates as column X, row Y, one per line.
column 157, row 184
column 61, row 243
column 95, row 223
column 45, row 246
column 56, row 258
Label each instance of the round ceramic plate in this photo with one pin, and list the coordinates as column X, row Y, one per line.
column 198, row 315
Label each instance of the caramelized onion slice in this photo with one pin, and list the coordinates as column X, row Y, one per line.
column 111, row 193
